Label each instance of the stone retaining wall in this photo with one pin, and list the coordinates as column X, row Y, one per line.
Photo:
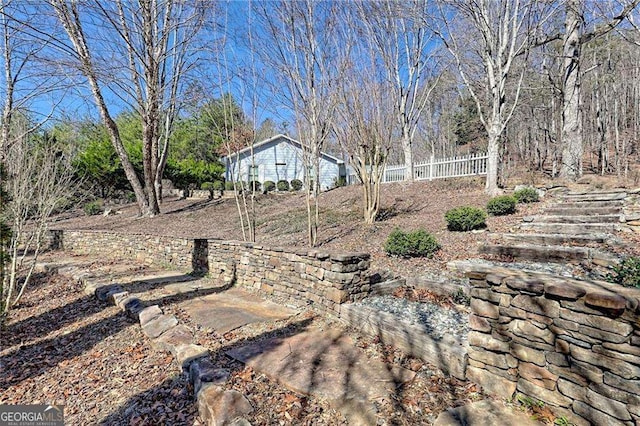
column 307, row 277
column 304, row 277
column 575, row 345
column 148, row 249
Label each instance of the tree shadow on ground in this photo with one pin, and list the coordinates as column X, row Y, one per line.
column 62, row 316
column 34, row 359
column 127, row 413
column 196, row 206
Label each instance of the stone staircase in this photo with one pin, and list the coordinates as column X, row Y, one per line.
column 578, row 229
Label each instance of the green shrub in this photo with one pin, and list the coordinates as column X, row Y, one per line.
column 255, row 185
column 283, row 185
column 627, row 273
column 296, row 184
column 130, row 196
column 92, row 208
column 228, row 185
column 411, row 244
column 268, row 186
column 207, row 186
column 526, row 195
column 465, row 218
column 502, row 205
column 218, row 185
column 339, row 181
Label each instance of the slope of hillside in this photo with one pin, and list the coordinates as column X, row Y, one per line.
column 281, row 220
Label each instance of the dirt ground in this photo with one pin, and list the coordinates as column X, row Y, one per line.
column 282, row 220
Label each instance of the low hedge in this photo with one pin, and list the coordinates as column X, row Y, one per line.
column 411, row 244
column 465, row 218
column 501, row 205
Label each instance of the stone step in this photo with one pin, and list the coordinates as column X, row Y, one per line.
column 558, row 239
column 576, row 219
column 598, row 191
column 551, row 254
column 570, row 228
column 588, row 204
column 582, row 211
column 594, row 197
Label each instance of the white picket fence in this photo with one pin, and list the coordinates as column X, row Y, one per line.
column 436, row 168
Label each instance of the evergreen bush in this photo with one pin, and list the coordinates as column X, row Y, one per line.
column 526, row 195
column 465, row 218
column 283, row 186
column 207, row 186
column 268, row 186
column 296, row 184
column 92, row 208
column 502, row 205
column 255, row 185
column 411, row 244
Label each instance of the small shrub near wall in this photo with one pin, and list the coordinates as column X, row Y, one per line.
column 411, row 244
column 526, row 195
column 207, row 186
column 268, row 186
column 92, row 208
column 218, row 185
column 465, row 218
column 253, row 185
column 502, row 205
column 626, row 273
column 283, row 186
column 296, row 184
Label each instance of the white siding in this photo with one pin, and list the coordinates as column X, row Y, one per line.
column 281, row 160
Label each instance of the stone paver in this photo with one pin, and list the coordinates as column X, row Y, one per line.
column 326, row 364
column 231, row 309
column 482, row 413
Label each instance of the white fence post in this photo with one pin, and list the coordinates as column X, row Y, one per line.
column 431, row 160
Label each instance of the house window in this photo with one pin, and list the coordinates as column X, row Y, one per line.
column 253, row 173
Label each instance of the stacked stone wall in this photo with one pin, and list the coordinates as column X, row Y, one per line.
column 303, row 277
column 306, row 277
column 573, row 344
column 147, row 249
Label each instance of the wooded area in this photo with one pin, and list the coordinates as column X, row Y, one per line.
column 126, row 93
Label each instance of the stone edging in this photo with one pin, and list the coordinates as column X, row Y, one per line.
column 216, row 405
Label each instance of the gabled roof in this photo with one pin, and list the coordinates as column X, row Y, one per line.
column 292, row 141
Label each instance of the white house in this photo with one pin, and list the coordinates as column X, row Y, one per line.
column 279, row 158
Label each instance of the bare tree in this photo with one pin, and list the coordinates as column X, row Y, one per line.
column 35, row 174
column 365, row 131
column 366, row 123
column 574, row 38
column 40, row 181
column 408, row 58
column 153, row 39
column 500, row 33
column 300, row 46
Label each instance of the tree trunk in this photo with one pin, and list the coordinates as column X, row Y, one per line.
column 572, row 149
column 491, row 185
column 407, row 149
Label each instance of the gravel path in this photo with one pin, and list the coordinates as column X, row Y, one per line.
column 435, row 319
